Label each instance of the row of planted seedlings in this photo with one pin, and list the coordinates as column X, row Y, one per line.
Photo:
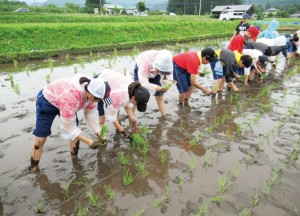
column 80, row 62
column 227, row 180
column 271, row 181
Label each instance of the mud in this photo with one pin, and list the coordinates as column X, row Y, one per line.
column 245, row 137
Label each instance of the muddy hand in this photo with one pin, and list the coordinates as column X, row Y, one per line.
column 135, row 127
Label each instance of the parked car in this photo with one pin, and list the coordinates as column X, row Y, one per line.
column 172, row 14
column 230, row 14
column 22, row 10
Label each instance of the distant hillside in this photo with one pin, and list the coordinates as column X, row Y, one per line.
column 273, row 3
column 151, row 4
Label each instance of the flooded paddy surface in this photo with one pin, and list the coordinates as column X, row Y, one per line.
column 228, row 154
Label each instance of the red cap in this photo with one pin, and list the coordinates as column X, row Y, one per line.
column 253, row 31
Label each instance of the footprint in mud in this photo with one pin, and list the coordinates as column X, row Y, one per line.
column 8, row 138
column 190, row 208
column 28, row 129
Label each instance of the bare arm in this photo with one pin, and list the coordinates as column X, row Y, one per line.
column 198, row 86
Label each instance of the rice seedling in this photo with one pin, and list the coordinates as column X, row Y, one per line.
column 255, row 200
column 167, row 87
column 296, row 211
column 123, row 159
column 81, row 61
column 16, row 88
column 82, row 211
column 48, row 78
column 267, row 188
column 88, row 177
column 11, row 77
column 203, row 211
column 67, row 58
column 293, row 156
column 235, row 171
column 159, row 201
column 140, row 167
column 50, row 63
column 66, row 190
column 163, row 156
column 206, row 161
column 27, row 70
column 127, row 177
column 205, row 71
column 125, row 71
column 181, row 126
column 139, row 212
column 91, row 54
column 181, row 181
column 218, row 146
column 193, row 142
column 109, row 193
column 15, row 62
column 137, row 139
column 192, row 164
column 245, row 212
column 109, row 64
column 75, row 70
column 249, row 155
column 216, row 199
column 209, row 129
column 94, row 200
column 223, row 183
column 103, row 131
column 39, row 207
column 143, row 149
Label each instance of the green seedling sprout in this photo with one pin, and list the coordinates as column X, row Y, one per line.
column 109, row 193
column 192, row 164
column 94, row 199
column 48, row 78
column 167, row 87
column 245, row 212
column 127, row 177
column 67, row 58
column 181, row 181
column 82, row 211
column 66, row 190
column 123, row 159
column 88, row 177
column 125, row 71
column 193, row 142
column 206, row 160
column 159, row 201
column 222, row 183
column 39, row 207
column 81, row 61
column 267, row 188
column 16, row 88
column 50, row 63
column 163, row 156
column 203, row 210
column 216, row 199
column 15, row 63
column 91, row 54
column 109, row 64
column 11, row 77
column 103, row 131
column 235, row 171
column 141, row 168
column 27, row 70
column 255, row 200
column 139, row 212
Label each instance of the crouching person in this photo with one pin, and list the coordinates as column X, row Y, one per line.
column 124, row 93
column 226, row 68
column 65, row 97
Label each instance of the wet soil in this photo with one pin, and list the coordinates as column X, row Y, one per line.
column 249, row 139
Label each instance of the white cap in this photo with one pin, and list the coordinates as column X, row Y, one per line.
column 163, row 61
column 280, row 41
column 97, row 88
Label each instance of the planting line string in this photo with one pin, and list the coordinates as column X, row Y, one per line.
column 83, row 190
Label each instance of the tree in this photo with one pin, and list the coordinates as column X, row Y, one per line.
column 91, row 4
column 141, row 6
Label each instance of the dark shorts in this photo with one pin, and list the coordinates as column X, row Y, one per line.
column 217, row 69
column 240, row 71
column 45, row 115
column 183, row 79
column 155, row 80
column 100, row 103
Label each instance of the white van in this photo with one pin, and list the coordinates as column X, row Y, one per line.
column 230, row 14
column 22, row 10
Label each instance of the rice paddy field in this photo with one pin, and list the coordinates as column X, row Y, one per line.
column 228, row 154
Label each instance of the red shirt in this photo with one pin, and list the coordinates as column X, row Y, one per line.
column 237, row 43
column 188, row 61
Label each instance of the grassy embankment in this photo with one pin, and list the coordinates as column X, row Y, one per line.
column 36, row 35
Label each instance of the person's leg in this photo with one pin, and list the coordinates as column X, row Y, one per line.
column 45, row 115
column 181, row 83
column 217, row 70
column 36, row 152
column 218, row 85
column 159, row 95
column 135, row 73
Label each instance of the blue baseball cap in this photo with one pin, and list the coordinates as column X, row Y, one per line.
column 245, row 16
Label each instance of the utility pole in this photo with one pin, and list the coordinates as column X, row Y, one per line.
column 200, row 7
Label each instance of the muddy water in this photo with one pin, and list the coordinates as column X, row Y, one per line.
column 245, row 138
